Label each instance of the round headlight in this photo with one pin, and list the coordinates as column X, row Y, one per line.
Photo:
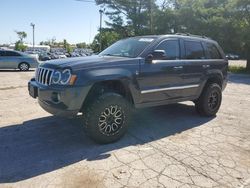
column 56, row 78
column 66, row 75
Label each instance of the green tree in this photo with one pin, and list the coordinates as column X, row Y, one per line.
column 65, row 43
column 67, row 46
column 215, row 19
column 108, row 38
column 21, row 35
column 49, row 42
column 226, row 21
column 242, row 9
column 81, row 45
column 19, row 44
column 130, row 17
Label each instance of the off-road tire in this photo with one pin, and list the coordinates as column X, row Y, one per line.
column 94, row 114
column 208, row 104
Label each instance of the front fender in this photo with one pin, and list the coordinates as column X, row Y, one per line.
column 126, row 76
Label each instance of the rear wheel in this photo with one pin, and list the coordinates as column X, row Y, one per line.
column 209, row 102
column 24, row 66
column 106, row 119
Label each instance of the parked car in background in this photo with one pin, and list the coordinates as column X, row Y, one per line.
column 33, row 54
column 232, row 56
column 67, row 54
column 10, row 59
column 45, row 57
column 54, row 56
column 83, row 54
column 74, row 54
column 61, row 55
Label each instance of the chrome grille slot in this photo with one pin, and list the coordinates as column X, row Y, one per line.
column 44, row 75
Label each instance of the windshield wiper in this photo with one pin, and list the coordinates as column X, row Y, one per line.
column 115, row 55
column 108, row 55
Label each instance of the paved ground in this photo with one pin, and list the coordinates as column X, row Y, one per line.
column 169, row 146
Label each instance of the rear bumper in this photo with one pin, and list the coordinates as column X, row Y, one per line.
column 60, row 101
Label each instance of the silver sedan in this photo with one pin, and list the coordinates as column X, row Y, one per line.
column 17, row 60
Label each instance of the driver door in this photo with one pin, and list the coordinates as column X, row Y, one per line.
column 160, row 78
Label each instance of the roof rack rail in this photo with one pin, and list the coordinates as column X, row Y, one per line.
column 191, row 35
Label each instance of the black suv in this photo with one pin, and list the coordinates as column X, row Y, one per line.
column 141, row 72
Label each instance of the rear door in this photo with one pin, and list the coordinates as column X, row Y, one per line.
column 194, row 67
column 215, row 56
column 10, row 59
column 160, row 79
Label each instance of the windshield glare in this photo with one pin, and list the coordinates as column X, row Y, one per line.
column 131, row 47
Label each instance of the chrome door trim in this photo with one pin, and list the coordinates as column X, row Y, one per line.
column 169, row 88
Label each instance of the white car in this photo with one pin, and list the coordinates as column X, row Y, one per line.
column 62, row 56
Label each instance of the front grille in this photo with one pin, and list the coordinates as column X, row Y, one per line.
column 44, row 75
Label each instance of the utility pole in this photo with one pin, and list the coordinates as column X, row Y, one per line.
column 100, row 39
column 151, row 16
column 101, row 14
column 33, row 28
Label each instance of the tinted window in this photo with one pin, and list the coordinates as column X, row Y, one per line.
column 10, row 53
column 1, row 53
column 131, row 47
column 171, row 48
column 194, row 50
column 213, row 52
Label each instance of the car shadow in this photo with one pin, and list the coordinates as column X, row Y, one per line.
column 239, row 78
column 43, row 145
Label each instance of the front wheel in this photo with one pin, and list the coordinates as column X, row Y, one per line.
column 106, row 119
column 24, row 66
column 209, row 102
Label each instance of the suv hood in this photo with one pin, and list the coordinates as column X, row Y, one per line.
column 84, row 62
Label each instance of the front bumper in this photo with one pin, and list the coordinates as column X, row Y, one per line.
column 224, row 83
column 61, row 101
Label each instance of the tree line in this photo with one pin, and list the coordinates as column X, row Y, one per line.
column 226, row 21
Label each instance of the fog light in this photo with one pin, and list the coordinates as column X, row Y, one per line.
column 55, row 97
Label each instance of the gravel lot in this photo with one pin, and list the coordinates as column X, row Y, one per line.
column 168, row 146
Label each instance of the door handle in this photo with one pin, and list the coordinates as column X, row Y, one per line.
column 205, row 66
column 179, row 67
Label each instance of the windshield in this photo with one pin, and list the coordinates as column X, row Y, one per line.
column 131, row 47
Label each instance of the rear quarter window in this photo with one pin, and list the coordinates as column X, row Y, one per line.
column 194, row 50
column 213, row 52
column 11, row 54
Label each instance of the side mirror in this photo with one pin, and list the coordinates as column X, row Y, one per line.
column 157, row 54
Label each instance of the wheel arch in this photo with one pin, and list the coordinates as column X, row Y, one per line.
column 215, row 78
column 212, row 77
column 113, row 85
